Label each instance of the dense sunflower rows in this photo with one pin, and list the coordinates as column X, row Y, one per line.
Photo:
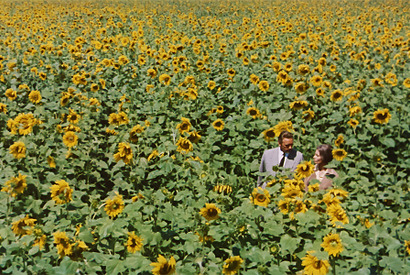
column 132, row 133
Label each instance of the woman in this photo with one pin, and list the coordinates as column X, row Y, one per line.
column 322, row 157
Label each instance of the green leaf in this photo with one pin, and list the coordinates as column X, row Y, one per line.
column 115, row 266
column 288, row 243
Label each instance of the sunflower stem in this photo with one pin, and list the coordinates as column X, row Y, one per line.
column 333, row 262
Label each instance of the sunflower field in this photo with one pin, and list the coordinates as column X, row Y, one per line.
column 131, row 135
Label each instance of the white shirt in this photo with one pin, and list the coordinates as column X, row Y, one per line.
column 280, row 155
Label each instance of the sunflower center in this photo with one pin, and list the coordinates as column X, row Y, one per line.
column 381, row 116
column 333, row 243
column 185, row 145
column 260, row 197
column 233, row 266
column 318, row 264
column 212, row 212
column 270, row 134
column 165, row 269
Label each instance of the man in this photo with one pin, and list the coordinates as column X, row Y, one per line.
column 283, row 156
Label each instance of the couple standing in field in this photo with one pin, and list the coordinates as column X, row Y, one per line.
column 285, row 156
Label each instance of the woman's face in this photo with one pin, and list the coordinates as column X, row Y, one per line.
column 317, row 158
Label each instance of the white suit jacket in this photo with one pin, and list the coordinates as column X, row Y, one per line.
column 270, row 159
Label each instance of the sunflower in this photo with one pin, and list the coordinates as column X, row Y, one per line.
column 354, row 110
column 61, row 192
column 282, row 77
column 77, row 250
column 122, row 118
column 194, row 137
column 406, row 83
column 355, row 96
column 284, row 205
column 232, row 265
column 153, row 155
column 231, row 72
column 220, row 109
column 276, row 66
column 381, row 116
column 305, row 169
column 291, row 192
column 211, row 85
column 303, row 69
column 223, row 189
column 269, row 134
column 16, row 185
column 377, row 82
column 184, row 126
column 73, row 117
column 205, row 238
column 337, row 95
column 260, row 197
column 137, row 197
column 18, row 149
column 391, row 78
column 316, row 80
column 3, row 108
column 11, row 94
column 210, row 212
column 113, row 207
column 407, row 246
column 314, row 266
column 70, row 139
column 283, row 126
column 329, row 199
column 34, row 97
column 308, row 115
column 218, row 124
column 165, row 79
column 320, row 92
column 299, row 207
column 64, row 99
column 114, row 119
column 298, row 105
column 64, row 247
column 40, row 241
column 337, row 214
column 313, row 188
column 24, row 123
column 339, row 140
column 339, row 154
column 254, row 79
column 122, row 59
column 263, row 85
column 184, row 145
column 163, row 267
column 301, row 87
column 23, row 226
column 253, row 112
column 134, row 243
column 332, row 244
column 51, row 162
column 124, row 153
column 353, row 122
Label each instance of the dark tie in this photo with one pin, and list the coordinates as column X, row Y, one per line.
column 282, row 161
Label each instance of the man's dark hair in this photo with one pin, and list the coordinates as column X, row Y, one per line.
column 285, row 134
column 325, row 151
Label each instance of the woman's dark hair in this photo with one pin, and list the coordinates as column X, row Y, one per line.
column 325, row 151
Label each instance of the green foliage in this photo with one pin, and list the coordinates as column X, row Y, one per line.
column 63, row 50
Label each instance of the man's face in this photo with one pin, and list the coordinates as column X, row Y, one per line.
column 286, row 145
